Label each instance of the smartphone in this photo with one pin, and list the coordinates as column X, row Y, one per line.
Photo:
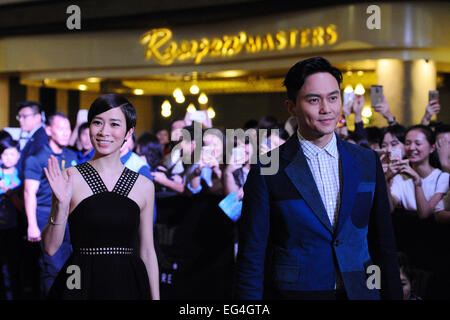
column 433, row 95
column 380, row 151
column 396, row 154
column 349, row 97
column 376, row 95
column 238, row 155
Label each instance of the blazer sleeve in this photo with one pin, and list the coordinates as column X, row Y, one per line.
column 253, row 235
column 381, row 240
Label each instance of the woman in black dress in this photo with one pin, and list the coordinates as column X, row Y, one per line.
column 109, row 209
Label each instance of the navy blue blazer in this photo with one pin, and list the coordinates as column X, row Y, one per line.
column 33, row 145
column 287, row 243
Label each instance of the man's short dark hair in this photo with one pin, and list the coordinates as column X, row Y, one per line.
column 35, row 106
column 56, row 114
column 296, row 76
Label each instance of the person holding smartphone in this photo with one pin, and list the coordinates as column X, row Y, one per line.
column 419, row 186
column 433, row 107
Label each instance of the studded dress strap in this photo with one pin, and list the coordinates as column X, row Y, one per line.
column 126, row 182
column 92, row 177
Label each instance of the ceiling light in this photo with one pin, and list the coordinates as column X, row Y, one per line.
column 203, row 99
column 359, row 89
column 191, row 108
column 194, row 89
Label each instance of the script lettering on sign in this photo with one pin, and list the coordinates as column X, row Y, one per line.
column 161, row 48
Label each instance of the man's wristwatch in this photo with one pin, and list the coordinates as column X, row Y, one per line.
column 392, row 121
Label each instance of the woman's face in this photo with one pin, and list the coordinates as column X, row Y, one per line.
column 417, row 147
column 390, row 142
column 215, row 144
column 108, row 130
column 406, row 284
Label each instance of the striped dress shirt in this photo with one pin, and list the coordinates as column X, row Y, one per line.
column 324, row 166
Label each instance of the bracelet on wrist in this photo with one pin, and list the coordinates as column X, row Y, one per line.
column 52, row 222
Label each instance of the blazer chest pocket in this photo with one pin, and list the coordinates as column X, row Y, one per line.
column 286, row 273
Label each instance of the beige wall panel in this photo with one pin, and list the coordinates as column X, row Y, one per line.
column 4, row 102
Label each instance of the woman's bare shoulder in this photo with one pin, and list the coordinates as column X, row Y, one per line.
column 144, row 183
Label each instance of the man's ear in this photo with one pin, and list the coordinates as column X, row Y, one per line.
column 290, row 105
column 48, row 131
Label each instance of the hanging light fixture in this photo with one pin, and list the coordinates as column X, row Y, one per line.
column 166, row 109
column 138, row 92
column 203, row 99
column 194, row 89
column 211, row 113
column 177, row 93
column 359, row 89
column 366, row 112
column 82, row 87
column 348, row 89
column 191, row 108
column 180, row 99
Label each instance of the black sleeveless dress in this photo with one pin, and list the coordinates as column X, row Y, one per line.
column 104, row 229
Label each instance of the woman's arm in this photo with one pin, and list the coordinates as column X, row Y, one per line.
column 147, row 248
column 53, row 233
column 425, row 208
column 162, row 179
column 442, row 216
column 228, row 180
column 61, row 185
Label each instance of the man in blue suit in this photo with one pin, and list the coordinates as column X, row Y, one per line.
column 30, row 120
column 320, row 227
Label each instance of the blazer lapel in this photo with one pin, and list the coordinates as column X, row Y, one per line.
column 299, row 173
column 351, row 175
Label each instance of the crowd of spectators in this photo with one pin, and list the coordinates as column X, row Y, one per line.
column 199, row 173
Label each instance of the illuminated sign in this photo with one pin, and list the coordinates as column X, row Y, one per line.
column 165, row 51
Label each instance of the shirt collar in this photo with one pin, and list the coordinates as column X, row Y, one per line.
column 311, row 150
column 30, row 134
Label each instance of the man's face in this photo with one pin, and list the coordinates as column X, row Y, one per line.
column 28, row 119
column 85, row 139
column 317, row 107
column 59, row 132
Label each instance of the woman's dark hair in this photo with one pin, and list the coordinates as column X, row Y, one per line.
column 403, row 263
column 4, row 135
column 8, row 143
column 296, row 76
column 359, row 139
column 429, row 135
column 397, row 130
column 150, row 148
column 112, row 100
column 83, row 126
column 374, row 135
